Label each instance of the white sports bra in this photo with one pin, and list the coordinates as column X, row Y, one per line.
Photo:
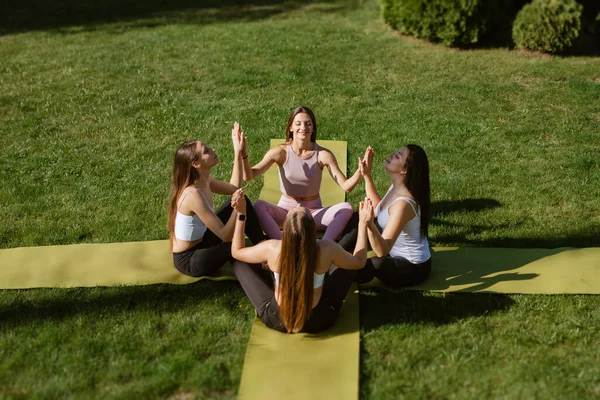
column 188, row 227
column 318, row 281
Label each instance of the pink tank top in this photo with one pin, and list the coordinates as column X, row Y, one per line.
column 300, row 177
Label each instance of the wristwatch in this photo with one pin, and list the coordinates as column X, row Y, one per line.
column 241, row 217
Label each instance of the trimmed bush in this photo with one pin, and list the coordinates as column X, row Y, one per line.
column 452, row 22
column 548, row 25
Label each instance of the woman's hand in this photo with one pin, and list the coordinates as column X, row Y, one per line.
column 244, row 150
column 365, row 211
column 238, row 139
column 366, row 163
column 238, row 201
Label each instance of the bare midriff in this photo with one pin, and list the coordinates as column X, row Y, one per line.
column 305, row 198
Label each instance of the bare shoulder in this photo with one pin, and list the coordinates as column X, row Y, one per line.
column 327, row 247
column 271, row 247
column 401, row 207
column 326, row 156
column 280, row 148
column 272, row 244
column 277, row 153
column 191, row 196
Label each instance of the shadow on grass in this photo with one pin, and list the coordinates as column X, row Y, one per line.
column 34, row 306
column 463, row 235
column 445, row 207
column 586, row 237
column 87, row 15
column 380, row 307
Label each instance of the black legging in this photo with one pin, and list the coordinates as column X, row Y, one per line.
column 205, row 258
column 258, row 285
column 395, row 272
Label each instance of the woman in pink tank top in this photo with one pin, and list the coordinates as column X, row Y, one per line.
column 301, row 162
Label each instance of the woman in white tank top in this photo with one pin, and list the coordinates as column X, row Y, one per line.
column 402, row 248
column 200, row 237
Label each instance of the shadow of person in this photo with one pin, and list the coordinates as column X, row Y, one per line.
column 57, row 305
column 473, row 269
column 379, row 307
column 444, row 207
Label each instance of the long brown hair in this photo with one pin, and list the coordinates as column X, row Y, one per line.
column 297, row 262
column 299, row 110
column 183, row 176
column 417, row 182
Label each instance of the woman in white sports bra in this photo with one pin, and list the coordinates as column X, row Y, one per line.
column 201, row 237
column 402, row 249
column 300, row 299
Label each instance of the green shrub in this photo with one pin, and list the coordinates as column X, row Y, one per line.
column 548, row 25
column 452, row 22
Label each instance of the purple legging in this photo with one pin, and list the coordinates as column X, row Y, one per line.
column 332, row 219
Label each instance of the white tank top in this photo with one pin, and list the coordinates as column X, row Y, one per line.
column 410, row 243
column 188, row 227
column 318, row 280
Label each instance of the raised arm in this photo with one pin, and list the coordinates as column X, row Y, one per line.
column 328, row 160
column 196, row 202
column 276, row 155
column 366, row 169
column 357, row 260
column 400, row 213
column 236, row 181
column 254, row 254
column 238, row 139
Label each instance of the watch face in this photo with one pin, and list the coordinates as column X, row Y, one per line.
column 242, row 217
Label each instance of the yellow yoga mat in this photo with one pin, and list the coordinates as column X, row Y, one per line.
column 455, row 269
column 534, row 271
column 301, row 366
column 504, row 270
column 101, row 264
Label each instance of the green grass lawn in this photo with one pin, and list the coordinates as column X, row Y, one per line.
column 94, row 99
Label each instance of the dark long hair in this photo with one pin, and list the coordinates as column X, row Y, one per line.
column 296, row 111
column 183, row 176
column 417, row 182
column 297, row 261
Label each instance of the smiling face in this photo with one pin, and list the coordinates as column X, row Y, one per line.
column 396, row 162
column 302, row 126
column 205, row 156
